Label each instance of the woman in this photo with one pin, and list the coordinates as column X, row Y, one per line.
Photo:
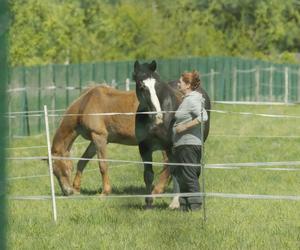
column 187, row 140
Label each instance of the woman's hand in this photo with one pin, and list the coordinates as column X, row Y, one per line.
column 185, row 126
column 180, row 128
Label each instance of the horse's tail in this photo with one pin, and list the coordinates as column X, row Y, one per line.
column 207, row 106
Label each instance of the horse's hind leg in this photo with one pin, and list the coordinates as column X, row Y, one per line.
column 100, row 141
column 89, row 153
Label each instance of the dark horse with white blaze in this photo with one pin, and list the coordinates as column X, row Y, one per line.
column 82, row 118
column 154, row 131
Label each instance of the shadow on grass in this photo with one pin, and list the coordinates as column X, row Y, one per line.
column 130, row 203
column 129, row 190
column 86, row 191
column 135, row 206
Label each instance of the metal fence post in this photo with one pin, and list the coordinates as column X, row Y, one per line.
column 94, row 72
column 286, row 85
column 67, row 83
column 26, row 128
column 80, row 77
column 202, row 163
column 9, row 105
column 40, row 97
column 10, row 134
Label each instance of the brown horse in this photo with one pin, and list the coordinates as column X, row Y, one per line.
column 80, row 119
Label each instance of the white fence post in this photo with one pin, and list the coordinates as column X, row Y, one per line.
column 257, row 84
column 298, row 82
column 234, row 83
column 127, row 84
column 9, row 116
column 286, row 85
column 113, row 83
column 212, row 85
column 50, row 165
column 271, row 84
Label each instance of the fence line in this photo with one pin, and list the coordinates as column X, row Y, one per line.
column 244, row 196
column 165, row 195
column 241, row 164
column 211, row 135
column 53, row 87
column 42, row 146
column 253, row 103
column 209, row 166
column 162, row 112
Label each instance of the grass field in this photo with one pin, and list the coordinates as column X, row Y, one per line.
column 123, row 223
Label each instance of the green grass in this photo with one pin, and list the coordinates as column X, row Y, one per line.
column 123, row 223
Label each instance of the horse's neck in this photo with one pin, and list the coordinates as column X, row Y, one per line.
column 170, row 98
column 63, row 140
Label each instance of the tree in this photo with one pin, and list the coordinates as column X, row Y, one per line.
column 73, row 31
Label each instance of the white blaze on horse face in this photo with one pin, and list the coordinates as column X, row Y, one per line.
column 150, row 83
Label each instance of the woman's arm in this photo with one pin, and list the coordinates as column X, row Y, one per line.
column 185, row 126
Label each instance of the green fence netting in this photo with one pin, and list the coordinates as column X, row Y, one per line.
column 224, row 78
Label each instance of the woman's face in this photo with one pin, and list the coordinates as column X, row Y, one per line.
column 183, row 87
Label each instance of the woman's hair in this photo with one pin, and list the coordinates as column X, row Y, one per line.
column 192, row 78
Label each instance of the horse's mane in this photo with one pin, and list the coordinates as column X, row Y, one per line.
column 92, row 85
column 173, row 89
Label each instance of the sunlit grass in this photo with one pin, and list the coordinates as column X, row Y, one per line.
column 123, row 223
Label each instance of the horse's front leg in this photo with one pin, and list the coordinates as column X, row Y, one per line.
column 88, row 154
column 146, row 155
column 163, row 177
column 175, row 201
column 100, row 141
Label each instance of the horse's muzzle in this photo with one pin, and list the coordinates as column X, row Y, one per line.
column 67, row 190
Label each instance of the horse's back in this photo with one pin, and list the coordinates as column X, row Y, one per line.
column 94, row 105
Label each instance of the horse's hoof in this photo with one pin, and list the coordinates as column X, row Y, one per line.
column 175, row 203
column 68, row 191
column 148, row 207
column 106, row 191
column 104, row 194
column 76, row 192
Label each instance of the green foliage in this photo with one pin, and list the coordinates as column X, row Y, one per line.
column 44, row 32
column 123, row 223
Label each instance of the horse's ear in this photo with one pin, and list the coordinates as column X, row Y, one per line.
column 153, row 66
column 136, row 65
